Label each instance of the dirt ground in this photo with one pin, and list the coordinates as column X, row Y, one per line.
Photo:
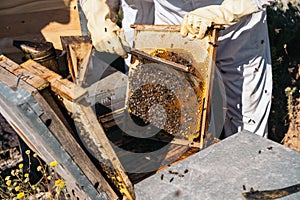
column 292, row 137
column 10, row 154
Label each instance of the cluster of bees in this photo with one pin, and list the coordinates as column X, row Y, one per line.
column 167, row 98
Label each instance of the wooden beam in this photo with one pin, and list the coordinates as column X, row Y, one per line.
column 90, row 130
column 33, row 80
column 75, row 151
column 62, row 87
column 94, row 138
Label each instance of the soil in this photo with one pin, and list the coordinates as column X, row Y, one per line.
column 10, row 153
column 292, row 137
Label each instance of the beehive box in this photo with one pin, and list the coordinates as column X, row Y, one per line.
column 171, row 99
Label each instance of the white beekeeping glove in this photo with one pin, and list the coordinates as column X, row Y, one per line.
column 106, row 35
column 228, row 13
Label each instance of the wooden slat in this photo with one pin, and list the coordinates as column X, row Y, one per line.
column 35, row 81
column 79, row 57
column 60, row 86
column 73, row 148
column 208, row 91
column 78, row 50
column 72, row 64
column 95, row 139
column 84, row 64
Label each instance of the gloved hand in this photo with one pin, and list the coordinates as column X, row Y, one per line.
column 196, row 22
column 106, row 35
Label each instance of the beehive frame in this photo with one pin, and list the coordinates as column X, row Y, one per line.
column 149, row 38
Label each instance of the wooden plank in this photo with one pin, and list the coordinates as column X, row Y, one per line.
column 78, row 50
column 35, row 81
column 89, row 129
column 84, row 65
column 72, row 64
column 79, row 57
column 73, row 148
column 208, row 91
column 60, row 86
column 94, row 138
column 57, row 128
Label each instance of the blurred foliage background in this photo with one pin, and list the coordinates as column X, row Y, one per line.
column 284, row 33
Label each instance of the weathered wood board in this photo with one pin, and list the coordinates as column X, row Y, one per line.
column 63, row 87
column 78, row 50
column 53, row 142
column 88, row 127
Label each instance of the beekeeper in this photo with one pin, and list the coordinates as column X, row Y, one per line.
column 243, row 54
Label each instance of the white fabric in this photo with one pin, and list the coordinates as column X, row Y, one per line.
column 196, row 22
column 106, row 35
column 243, row 59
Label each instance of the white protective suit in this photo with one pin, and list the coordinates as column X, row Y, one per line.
column 243, row 58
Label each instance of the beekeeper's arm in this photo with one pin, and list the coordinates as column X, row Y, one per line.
column 106, row 35
column 196, row 22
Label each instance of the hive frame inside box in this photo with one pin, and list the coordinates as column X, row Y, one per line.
column 149, row 38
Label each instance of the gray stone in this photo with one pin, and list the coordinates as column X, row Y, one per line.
column 225, row 169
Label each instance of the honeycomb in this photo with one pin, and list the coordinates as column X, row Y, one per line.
column 169, row 99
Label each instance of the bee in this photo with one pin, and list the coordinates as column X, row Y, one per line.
column 244, row 187
column 162, row 177
column 269, row 148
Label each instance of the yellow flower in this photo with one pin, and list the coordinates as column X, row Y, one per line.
column 20, row 195
column 53, row 164
column 17, row 188
column 39, row 168
column 59, row 183
column 49, row 177
column 12, row 172
column 34, row 155
column 21, row 165
column 26, row 175
column 27, row 152
column 8, row 182
column 7, row 178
